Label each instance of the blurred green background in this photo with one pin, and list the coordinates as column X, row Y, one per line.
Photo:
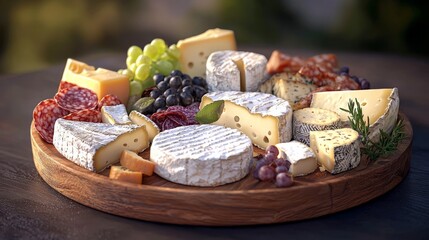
column 36, row 34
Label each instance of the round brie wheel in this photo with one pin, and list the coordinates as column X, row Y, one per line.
column 202, row 155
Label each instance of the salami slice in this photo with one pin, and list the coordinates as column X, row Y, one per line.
column 76, row 98
column 109, row 100
column 168, row 120
column 85, row 115
column 64, row 84
column 190, row 112
column 45, row 114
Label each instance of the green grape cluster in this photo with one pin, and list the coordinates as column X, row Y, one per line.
column 142, row 64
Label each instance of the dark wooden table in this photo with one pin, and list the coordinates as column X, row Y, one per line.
column 30, row 209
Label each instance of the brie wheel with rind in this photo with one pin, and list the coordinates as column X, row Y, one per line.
column 301, row 157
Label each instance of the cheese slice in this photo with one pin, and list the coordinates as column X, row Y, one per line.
column 100, row 80
column 195, row 50
column 336, row 150
column 202, row 155
column 235, row 70
column 313, row 119
column 302, row 158
column 96, row 146
column 134, row 162
column 380, row 105
column 140, row 119
column 123, row 174
column 115, row 114
column 264, row 118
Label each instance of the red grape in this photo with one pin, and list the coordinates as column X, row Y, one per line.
column 272, row 149
column 266, row 173
column 283, row 180
column 281, row 169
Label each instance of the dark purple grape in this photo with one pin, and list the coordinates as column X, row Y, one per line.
column 155, row 93
column 280, row 162
column 344, row 69
column 158, row 78
column 159, row 102
column 262, row 162
column 198, row 81
column 167, row 79
column 283, row 180
column 199, row 92
column 161, row 109
column 270, row 157
column 281, row 169
column 172, row 100
column 364, row 84
column 175, row 82
column 176, row 73
column 266, row 173
column 356, row 79
column 273, row 149
column 188, row 89
column 186, row 82
column 186, row 76
column 162, row 86
column 186, row 98
column 169, row 92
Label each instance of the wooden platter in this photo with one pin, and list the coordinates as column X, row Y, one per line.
column 245, row 202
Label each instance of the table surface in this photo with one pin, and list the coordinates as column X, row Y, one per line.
column 30, row 209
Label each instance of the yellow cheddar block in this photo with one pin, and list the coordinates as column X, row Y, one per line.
column 134, row 162
column 100, row 80
column 123, row 174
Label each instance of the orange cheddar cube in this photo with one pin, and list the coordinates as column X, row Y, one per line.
column 123, row 174
column 136, row 163
column 100, row 80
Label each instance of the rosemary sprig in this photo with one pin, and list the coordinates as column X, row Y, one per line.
column 386, row 144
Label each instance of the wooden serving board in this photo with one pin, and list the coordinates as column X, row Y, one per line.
column 245, row 202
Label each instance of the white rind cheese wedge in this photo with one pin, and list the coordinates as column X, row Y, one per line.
column 336, row 150
column 302, row 158
column 313, row 119
column 115, row 115
column 235, row 70
column 96, row 146
column 195, row 50
column 380, row 105
column 264, row 118
column 202, row 155
column 140, row 119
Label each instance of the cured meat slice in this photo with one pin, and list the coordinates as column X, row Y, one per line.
column 169, row 119
column 64, row 84
column 190, row 112
column 76, row 98
column 85, row 115
column 109, row 100
column 44, row 115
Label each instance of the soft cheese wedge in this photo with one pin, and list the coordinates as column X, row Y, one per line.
column 100, row 80
column 336, row 150
column 125, row 175
column 96, row 146
column 195, row 50
column 115, row 114
column 380, row 105
column 141, row 120
column 264, row 118
column 202, row 155
column 301, row 157
column 235, row 70
column 313, row 119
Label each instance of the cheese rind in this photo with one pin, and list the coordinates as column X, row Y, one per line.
column 115, row 114
column 336, row 150
column 264, row 118
column 195, row 50
column 96, row 146
column 100, row 80
column 134, row 162
column 235, row 70
column 125, row 175
column 140, row 119
column 302, row 158
column 380, row 105
column 313, row 119
column 202, row 155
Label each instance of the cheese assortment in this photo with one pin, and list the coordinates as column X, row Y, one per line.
column 336, row 150
column 116, row 114
column 313, row 119
column 264, row 118
column 235, row 70
column 301, row 157
column 202, row 155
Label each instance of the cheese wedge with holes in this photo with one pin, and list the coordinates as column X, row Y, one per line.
column 235, row 70
column 96, row 146
column 140, row 119
column 336, row 150
column 134, row 162
column 195, row 50
column 380, row 105
column 301, row 157
column 125, row 175
column 100, row 80
column 313, row 119
column 115, row 114
column 264, row 118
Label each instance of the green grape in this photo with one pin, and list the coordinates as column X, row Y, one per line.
column 142, row 59
column 159, row 44
column 173, row 51
column 129, row 73
column 142, row 72
column 134, row 52
column 133, row 67
column 130, row 61
column 136, row 88
column 150, row 51
column 164, row 67
column 148, row 83
column 120, row 71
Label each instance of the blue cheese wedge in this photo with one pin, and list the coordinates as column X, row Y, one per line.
column 140, row 119
column 115, row 114
column 96, row 146
column 336, row 150
column 264, row 118
column 202, row 155
column 301, row 157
